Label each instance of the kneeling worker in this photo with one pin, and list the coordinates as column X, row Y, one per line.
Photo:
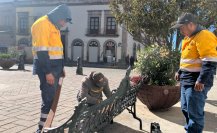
column 92, row 88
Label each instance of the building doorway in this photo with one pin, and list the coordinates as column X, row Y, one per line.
column 93, row 51
column 110, row 51
column 77, row 49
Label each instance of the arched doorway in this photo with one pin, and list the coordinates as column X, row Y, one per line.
column 93, row 51
column 77, row 49
column 110, row 48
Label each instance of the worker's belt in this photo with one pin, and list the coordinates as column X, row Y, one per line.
column 98, row 90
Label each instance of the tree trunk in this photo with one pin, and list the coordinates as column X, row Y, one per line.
column 179, row 38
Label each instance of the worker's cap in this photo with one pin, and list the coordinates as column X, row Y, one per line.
column 98, row 79
column 61, row 12
column 185, row 18
column 69, row 20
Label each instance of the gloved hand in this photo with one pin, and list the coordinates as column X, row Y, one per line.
column 50, row 78
column 99, row 101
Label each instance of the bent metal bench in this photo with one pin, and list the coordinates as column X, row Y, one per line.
column 90, row 119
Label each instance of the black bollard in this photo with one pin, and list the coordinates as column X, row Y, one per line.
column 131, row 62
column 79, row 70
column 21, row 65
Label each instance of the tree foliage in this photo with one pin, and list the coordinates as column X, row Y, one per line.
column 149, row 21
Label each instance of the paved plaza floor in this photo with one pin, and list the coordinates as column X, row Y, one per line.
column 20, row 104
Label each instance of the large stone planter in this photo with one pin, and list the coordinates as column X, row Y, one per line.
column 7, row 63
column 157, row 97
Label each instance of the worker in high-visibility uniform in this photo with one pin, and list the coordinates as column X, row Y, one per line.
column 92, row 88
column 197, row 70
column 47, row 50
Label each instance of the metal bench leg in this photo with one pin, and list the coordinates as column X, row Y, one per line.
column 111, row 122
column 133, row 112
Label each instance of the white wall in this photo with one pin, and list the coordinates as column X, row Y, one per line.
column 80, row 25
column 78, row 29
column 131, row 42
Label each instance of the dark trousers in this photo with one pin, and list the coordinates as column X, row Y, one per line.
column 192, row 105
column 47, row 93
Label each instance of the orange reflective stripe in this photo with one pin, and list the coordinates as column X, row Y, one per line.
column 213, row 59
column 39, row 48
column 191, row 61
column 52, row 57
column 193, row 69
column 43, row 48
column 55, row 52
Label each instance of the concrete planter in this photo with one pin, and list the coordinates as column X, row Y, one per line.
column 7, row 63
column 157, row 97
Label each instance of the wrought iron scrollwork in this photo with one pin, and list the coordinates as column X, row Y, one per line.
column 90, row 119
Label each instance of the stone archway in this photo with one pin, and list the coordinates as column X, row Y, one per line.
column 93, row 51
column 110, row 51
column 77, row 49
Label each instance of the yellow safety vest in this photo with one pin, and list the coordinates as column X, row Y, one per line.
column 46, row 37
column 198, row 48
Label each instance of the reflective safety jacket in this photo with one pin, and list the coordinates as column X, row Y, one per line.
column 198, row 58
column 47, row 48
column 198, row 48
column 46, row 37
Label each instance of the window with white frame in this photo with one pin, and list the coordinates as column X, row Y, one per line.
column 110, row 25
column 23, row 22
column 94, row 25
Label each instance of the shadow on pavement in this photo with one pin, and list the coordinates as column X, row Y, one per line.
column 119, row 128
column 15, row 70
column 212, row 102
column 175, row 115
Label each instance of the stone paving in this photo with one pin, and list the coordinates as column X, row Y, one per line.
column 20, row 104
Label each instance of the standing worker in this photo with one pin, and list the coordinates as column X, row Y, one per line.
column 197, row 70
column 48, row 55
column 131, row 62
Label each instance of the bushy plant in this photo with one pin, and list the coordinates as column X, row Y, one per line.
column 11, row 54
column 158, row 64
column 5, row 56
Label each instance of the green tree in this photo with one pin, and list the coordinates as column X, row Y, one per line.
column 149, row 21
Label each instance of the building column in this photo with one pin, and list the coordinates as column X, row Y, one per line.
column 102, row 23
column 124, row 44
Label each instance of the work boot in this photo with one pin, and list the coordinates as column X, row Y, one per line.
column 38, row 131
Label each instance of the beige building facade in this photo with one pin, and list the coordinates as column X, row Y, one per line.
column 94, row 35
column 7, row 26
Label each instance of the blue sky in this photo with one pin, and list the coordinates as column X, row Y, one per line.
column 212, row 28
column 6, row 0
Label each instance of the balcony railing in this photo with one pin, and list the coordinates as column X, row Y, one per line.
column 102, row 32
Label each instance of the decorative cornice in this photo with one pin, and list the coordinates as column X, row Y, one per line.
column 42, row 3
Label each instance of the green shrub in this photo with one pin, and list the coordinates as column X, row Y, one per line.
column 158, row 64
column 11, row 54
column 6, row 56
